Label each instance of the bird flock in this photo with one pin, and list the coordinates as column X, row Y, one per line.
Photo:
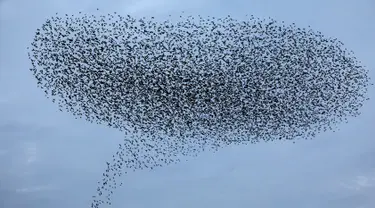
column 182, row 86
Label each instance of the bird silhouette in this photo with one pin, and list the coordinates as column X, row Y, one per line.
column 179, row 88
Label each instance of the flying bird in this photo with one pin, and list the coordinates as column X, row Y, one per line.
column 179, row 88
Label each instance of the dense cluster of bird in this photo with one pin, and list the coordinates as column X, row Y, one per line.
column 186, row 86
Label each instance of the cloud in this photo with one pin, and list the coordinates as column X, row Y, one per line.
column 30, row 150
column 361, row 182
column 36, row 189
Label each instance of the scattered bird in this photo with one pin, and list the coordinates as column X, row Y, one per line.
column 179, row 88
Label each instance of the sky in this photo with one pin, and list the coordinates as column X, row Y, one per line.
column 49, row 159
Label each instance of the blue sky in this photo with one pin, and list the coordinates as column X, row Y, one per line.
column 49, row 159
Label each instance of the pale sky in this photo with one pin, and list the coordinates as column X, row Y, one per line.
column 49, row 159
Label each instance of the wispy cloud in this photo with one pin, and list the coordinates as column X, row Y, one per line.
column 36, row 189
column 30, row 150
column 360, row 182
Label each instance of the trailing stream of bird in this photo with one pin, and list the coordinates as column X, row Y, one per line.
column 177, row 88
